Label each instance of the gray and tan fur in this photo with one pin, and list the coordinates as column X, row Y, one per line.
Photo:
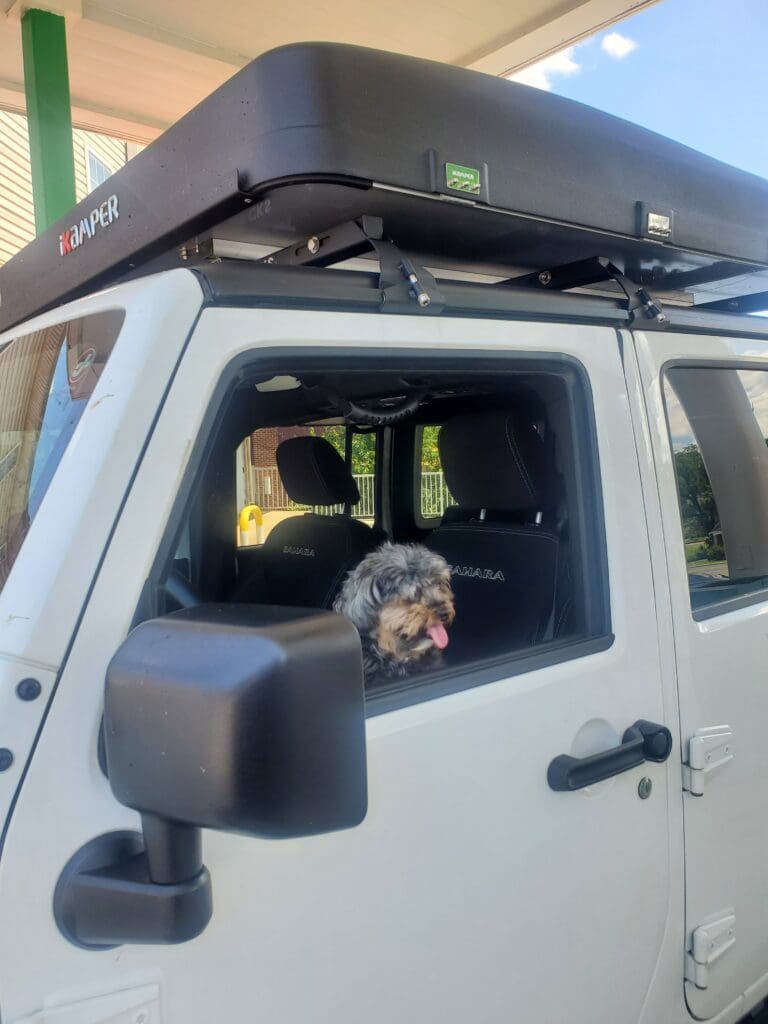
column 394, row 597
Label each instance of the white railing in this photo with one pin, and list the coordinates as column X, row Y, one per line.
column 268, row 493
column 434, row 495
column 366, row 509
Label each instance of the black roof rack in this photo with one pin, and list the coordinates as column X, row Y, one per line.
column 466, row 170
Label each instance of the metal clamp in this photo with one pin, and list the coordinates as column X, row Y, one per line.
column 403, row 283
column 591, row 271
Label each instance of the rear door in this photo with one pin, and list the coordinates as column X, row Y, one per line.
column 472, row 891
column 707, row 399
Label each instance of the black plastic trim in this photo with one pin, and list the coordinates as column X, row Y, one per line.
column 252, row 285
column 105, row 897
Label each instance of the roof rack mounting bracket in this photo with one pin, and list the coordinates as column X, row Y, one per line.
column 403, row 283
column 591, row 271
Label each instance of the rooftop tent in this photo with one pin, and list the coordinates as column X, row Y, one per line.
column 465, row 170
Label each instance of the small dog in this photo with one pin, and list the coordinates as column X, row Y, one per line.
column 399, row 598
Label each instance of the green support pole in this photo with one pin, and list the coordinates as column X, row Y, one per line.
column 49, row 116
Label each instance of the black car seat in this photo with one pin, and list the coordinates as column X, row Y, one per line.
column 503, row 555
column 304, row 559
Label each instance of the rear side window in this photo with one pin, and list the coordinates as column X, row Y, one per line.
column 718, row 423
column 432, row 495
column 262, row 499
column 46, row 379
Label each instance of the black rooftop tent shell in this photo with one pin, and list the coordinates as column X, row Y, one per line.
column 466, row 170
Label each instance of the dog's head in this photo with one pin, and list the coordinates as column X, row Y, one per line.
column 400, row 597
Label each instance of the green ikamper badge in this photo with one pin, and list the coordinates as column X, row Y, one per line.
column 463, row 179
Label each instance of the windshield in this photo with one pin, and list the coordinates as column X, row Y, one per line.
column 46, row 379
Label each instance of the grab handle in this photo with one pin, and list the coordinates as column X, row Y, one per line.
column 643, row 741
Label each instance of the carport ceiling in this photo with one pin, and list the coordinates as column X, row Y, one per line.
column 137, row 65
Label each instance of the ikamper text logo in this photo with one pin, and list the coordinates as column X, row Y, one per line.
column 100, row 217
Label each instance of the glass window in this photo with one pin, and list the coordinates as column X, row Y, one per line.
column 433, row 496
column 262, row 500
column 46, row 379
column 98, row 171
column 718, row 423
column 518, row 585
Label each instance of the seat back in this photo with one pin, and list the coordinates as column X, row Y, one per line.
column 305, row 558
column 504, row 563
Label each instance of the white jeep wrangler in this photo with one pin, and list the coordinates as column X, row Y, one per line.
column 207, row 814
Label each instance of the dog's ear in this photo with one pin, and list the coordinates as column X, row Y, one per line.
column 359, row 598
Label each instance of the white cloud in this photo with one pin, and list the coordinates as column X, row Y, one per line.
column 540, row 74
column 617, row 46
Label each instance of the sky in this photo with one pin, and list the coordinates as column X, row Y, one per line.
column 694, row 70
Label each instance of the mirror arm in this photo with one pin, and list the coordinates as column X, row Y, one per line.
column 174, row 850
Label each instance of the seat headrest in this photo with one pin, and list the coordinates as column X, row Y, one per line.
column 495, row 460
column 313, row 472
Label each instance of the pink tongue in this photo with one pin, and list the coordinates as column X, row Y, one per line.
column 439, row 636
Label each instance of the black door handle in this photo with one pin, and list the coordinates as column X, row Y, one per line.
column 643, row 741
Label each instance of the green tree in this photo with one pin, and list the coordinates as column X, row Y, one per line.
column 363, row 446
column 697, row 502
column 430, row 455
column 363, row 452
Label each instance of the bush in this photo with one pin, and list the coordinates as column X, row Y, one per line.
column 716, row 553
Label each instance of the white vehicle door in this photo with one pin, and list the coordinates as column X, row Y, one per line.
column 472, row 890
column 707, row 400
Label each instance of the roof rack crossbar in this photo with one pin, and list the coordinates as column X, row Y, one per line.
column 591, row 271
column 401, row 281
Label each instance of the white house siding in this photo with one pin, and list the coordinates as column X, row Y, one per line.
column 109, row 150
column 17, row 216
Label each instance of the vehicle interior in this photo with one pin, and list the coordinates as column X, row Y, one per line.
column 305, row 472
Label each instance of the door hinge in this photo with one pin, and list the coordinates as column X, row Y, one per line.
column 708, row 750
column 708, row 943
column 128, row 1006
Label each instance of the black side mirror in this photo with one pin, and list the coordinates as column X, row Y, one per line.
column 235, row 717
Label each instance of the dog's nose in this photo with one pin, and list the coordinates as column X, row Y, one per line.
column 444, row 615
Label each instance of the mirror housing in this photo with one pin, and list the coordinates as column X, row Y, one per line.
column 244, row 718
